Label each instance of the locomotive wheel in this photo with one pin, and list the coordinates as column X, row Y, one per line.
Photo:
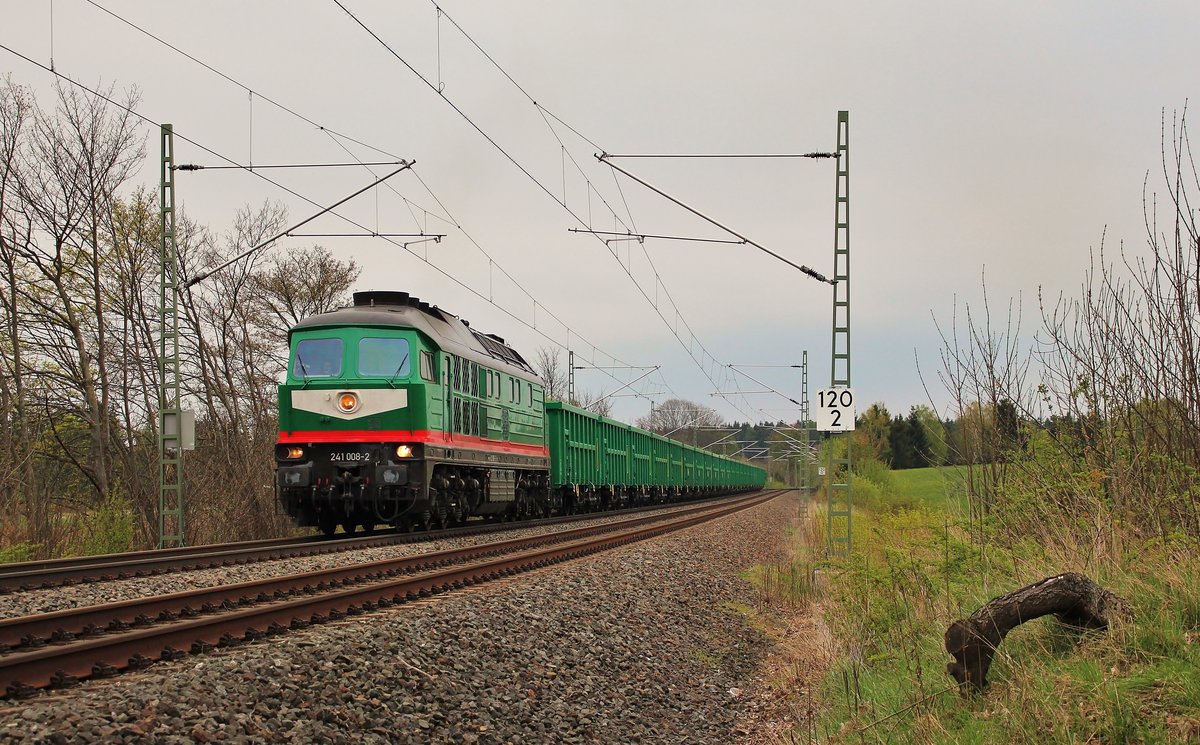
column 348, row 526
column 426, row 520
column 328, row 526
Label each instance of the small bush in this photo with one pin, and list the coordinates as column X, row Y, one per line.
column 875, row 471
column 109, row 527
column 18, row 552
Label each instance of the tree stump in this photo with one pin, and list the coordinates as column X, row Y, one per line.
column 1074, row 599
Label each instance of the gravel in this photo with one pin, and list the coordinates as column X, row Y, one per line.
column 46, row 600
column 635, row 645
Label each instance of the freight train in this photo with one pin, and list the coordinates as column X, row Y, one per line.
column 397, row 412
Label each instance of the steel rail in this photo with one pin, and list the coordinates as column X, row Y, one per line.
column 63, row 664
column 43, row 574
column 70, row 623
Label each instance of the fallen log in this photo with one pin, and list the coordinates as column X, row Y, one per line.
column 1073, row 598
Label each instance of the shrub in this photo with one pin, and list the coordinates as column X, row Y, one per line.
column 18, row 552
column 109, row 527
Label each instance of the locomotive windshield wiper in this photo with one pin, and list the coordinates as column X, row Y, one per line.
column 303, row 371
column 403, row 362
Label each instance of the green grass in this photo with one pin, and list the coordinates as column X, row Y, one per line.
column 912, row 576
column 917, row 567
column 940, row 488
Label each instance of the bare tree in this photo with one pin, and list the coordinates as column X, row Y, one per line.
column 593, row 402
column 553, row 373
column 555, row 378
column 231, row 373
column 16, row 448
column 985, row 365
column 1108, row 395
column 79, row 272
column 132, row 297
column 679, row 418
column 236, row 352
column 1121, row 363
column 70, row 165
column 300, row 283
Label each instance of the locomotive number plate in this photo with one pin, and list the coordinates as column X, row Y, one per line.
column 353, row 457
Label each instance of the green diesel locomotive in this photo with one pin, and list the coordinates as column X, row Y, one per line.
column 395, row 411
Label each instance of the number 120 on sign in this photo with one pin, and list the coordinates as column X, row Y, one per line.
column 835, row 410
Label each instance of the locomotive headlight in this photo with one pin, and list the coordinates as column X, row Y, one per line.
column 347, row 402
column 288, row 452
column 404, row 451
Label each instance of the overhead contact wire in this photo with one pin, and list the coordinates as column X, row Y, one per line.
column 337, row 136
column 543, row 111
column 241, row 85
column 531, row 177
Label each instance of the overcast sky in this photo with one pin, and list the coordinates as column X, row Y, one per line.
column 1000, row 137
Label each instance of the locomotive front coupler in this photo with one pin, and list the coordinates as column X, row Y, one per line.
column 396, row 503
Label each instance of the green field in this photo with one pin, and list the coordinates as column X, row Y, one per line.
column 942, row 488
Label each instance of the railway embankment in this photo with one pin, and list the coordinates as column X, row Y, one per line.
column 200, row 575
column 636, row 644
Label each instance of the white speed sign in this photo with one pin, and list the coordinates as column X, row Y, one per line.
column 835, row 410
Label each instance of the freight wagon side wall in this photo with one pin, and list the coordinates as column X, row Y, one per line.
column 587, row 449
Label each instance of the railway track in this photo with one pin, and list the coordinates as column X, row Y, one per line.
column 33, row 575
column 59, row 649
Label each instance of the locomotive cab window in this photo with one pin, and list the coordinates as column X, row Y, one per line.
column 427, row 366
column 317, row 358
column 383, row 358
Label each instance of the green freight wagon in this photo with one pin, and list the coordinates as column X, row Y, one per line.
column 598, row 463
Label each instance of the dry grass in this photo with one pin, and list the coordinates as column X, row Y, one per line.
column 782, row 709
